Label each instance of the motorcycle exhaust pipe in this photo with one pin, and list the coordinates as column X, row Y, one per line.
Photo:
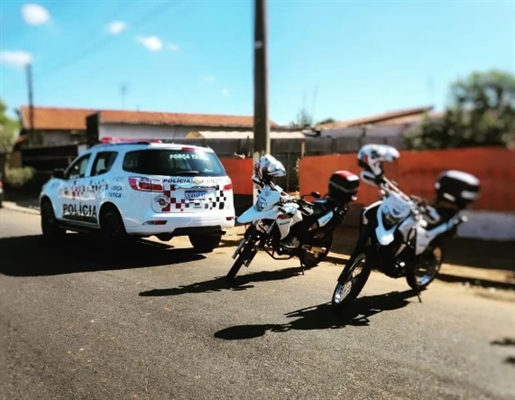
column 314, row 249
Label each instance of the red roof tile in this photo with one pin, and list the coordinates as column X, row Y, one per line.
column 52, row 118
column 376, row 118
column 56, row 118
column 160, row 118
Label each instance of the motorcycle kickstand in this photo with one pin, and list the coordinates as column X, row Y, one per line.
column 418, row 295
column 302, row 268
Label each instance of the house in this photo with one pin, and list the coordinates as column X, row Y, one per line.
column 405, row 117
column 54, row 126
column 159, row 125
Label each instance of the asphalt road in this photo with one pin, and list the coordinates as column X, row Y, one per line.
column 160, row 323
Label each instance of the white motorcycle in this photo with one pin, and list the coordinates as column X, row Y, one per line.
column 276, row 215
column 401, row 235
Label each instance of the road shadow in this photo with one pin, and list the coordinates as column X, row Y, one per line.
column 506, row 342
column 323, row 317
column 473, row 253
column 219, row 284
column 30, row 256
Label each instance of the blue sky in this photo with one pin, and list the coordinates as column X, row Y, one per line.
column 341, row 59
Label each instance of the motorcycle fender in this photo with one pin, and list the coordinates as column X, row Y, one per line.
column 252, row 215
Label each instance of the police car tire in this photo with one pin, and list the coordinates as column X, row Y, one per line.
column 205, row 243
column 51, row 231
column 111, row 219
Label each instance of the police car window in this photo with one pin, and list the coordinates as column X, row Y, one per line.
column 173, row 163
column 103, row 162
column 78, row 168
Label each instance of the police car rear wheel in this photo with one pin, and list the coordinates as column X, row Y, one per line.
column 112, row 227
column 205, row 243
column 49, row 226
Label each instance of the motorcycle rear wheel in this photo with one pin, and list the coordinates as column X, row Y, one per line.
column 427, row 268
column 246, row 253
column 355, row 275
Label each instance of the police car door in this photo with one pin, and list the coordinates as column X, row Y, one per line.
column 75, row 195
column 98, row 183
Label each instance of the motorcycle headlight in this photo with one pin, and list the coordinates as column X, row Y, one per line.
column 389, row 219
column 260, row 204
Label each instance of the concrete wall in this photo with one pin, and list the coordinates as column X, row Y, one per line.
column 491, row 217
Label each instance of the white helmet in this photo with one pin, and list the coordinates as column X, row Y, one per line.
column 268, row 167
column 372, row 156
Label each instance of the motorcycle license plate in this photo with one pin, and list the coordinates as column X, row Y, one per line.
column 196, row 194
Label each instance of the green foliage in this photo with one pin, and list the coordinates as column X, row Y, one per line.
column 481, row 113
column 304, row 119
column 19, row 177
column 326, row 121
column 8, row 130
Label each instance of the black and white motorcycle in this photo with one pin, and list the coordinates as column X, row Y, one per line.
column 401, row 235
column 285, row 226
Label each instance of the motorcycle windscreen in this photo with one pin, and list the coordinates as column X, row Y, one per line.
column 264, row 207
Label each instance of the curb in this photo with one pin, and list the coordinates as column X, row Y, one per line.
column 9, row 205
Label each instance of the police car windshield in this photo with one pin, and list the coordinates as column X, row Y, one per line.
column 173, row 163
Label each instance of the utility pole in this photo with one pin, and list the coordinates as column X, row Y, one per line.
column 261, row 120
column 31, row 100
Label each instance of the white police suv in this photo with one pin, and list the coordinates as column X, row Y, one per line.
column 125, row 189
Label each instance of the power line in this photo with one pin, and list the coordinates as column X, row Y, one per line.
column 119, row 56
column 99, row 44
column 94, row 32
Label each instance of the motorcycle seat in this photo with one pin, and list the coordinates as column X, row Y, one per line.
column 321, row 206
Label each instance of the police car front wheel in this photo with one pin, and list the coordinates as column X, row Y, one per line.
column 49, row 225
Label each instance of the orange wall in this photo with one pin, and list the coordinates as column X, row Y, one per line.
column 240, row 171
column 416, row 173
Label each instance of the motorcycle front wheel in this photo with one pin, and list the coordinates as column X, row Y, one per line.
column 427, row 268
column 247, row 254
column 351, row 282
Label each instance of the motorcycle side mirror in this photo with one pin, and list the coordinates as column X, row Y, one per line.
column 316, row 195
column 368, row 177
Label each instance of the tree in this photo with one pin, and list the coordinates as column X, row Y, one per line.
column 481, row 113
column 326, row 121
column 304, row 119
column 8, row 130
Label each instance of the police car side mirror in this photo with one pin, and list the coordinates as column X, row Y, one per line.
column 58, row 173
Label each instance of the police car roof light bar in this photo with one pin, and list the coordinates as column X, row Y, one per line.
column 109, row 139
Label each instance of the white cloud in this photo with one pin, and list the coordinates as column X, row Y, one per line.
column 34, row 14
column 172, row 47
column 225, row 92
column 116, row 27
column 153, row 43
column 15, row 58
column 209, row 79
